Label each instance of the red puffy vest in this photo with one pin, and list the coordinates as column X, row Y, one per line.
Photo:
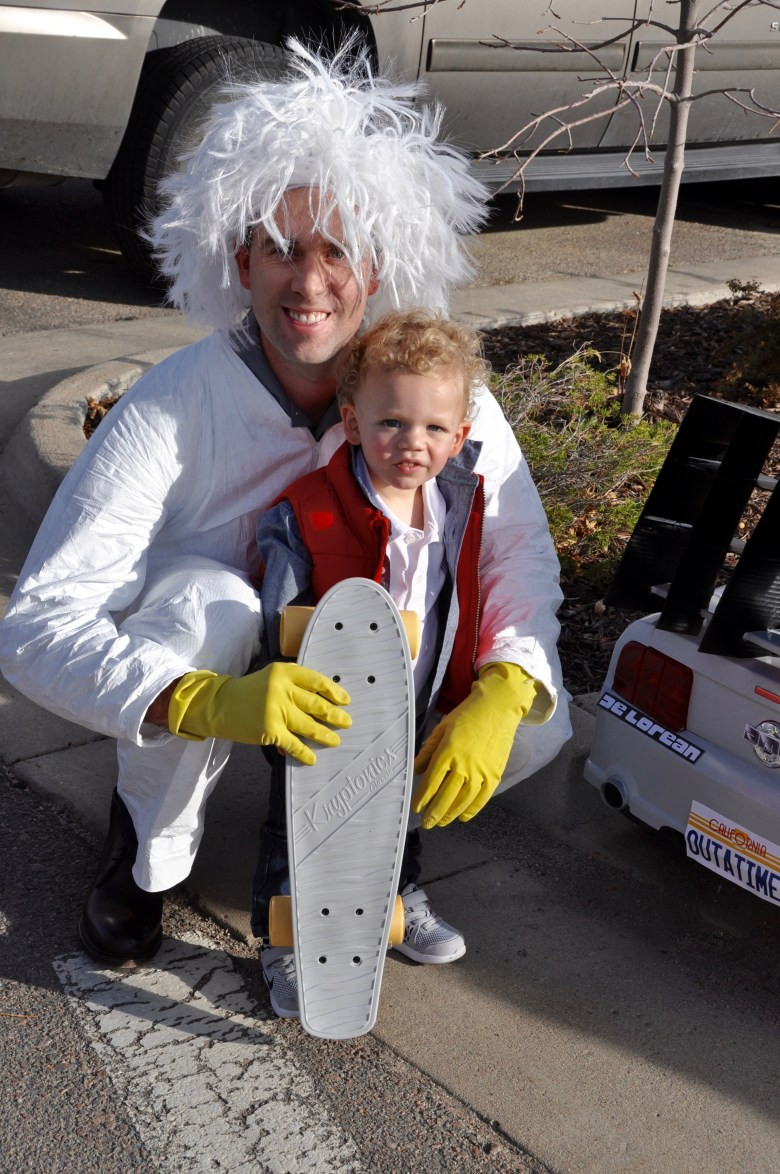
column 345, row 536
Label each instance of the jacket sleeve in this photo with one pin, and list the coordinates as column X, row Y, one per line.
column 59, row 640
column 519, row 570
column 286, row 571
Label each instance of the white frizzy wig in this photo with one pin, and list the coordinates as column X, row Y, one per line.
column 404, row 198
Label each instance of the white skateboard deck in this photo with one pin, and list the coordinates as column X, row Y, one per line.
column 347, row 815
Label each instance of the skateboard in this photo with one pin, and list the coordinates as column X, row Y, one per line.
column 347, row 815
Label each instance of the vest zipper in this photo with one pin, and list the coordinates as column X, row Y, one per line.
column 479, row 558
column 479, row 596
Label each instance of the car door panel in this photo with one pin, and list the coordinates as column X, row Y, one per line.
column 490, row 89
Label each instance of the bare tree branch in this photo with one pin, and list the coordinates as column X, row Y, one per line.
column 660, row 103
column 755, row 106
column 520, row 136
column 573, row 45
column 570, row 44
column 382, row 6
column 629, row 91
column 738, row 8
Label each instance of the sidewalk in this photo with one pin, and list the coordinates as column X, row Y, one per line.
column 502, row 1010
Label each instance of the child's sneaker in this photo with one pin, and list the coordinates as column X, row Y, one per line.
column 427, row 937
column 281, row 979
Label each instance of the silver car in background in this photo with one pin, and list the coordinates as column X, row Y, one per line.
column 114, row 91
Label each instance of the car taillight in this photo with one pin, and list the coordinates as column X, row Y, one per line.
column 657, row 684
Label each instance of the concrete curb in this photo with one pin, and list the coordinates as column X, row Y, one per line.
column 50, row 437
column 530, row 304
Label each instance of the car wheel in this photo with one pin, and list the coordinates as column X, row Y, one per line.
column 175, row 91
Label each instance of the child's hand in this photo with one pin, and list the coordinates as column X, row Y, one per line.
column 465, row 755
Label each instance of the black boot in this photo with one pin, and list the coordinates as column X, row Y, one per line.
column 121, row 924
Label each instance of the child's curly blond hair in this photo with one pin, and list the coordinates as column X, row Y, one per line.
column 418, row 341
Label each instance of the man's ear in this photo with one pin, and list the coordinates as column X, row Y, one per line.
column 460, row 437
column 350, row 422
column 242, row 265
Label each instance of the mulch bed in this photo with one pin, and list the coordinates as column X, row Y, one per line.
column 695, row 350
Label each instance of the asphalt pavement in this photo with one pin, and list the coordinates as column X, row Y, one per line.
column 571, row 1034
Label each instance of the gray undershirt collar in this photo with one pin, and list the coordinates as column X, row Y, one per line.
column 248, row 346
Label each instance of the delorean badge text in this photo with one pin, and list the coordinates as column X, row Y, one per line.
column 652, row 729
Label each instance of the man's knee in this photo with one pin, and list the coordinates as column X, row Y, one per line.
column 207, row 613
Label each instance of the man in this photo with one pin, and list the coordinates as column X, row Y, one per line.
column 309, row 208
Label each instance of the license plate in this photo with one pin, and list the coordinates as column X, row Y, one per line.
column 738, row 855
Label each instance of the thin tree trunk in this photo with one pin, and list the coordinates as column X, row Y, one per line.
column 636, row 384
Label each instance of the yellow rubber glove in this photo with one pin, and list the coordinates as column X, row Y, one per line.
column 465, row 755
column 273, row 707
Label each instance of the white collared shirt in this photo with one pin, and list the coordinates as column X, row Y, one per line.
column 414, row 566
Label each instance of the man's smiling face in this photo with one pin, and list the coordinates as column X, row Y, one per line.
column 307, row 301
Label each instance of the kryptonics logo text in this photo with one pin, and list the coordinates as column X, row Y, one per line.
column 370, row 779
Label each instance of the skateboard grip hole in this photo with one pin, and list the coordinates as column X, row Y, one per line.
column 359, row 912
column 356, row 961
column 373, row 627
column 325, row 912
column 338, row 626
column 322, row 959
column 370, row 680
column 336, row 678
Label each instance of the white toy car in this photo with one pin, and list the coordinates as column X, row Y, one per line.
column 688, row 724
